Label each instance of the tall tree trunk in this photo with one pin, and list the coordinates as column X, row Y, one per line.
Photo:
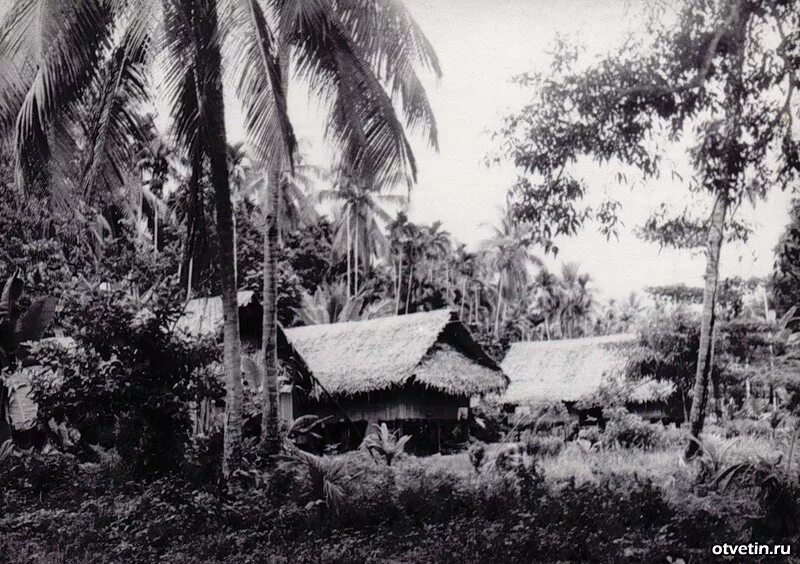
column 155, row 228
column 207, row 54
column 189, row 279
column 399, row 284
column 356, row 252
column 235, row 245
column 349, row 249
column 410, row 280
column 499, row 303
column 270, row 428
column 715, row 381
column 547, row 327
column 195, row 218
column 463, row 297
column 705, row 353
column 731, row 157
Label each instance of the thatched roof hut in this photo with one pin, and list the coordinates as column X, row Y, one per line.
column 577, row 370
column 416, row 372
column 202, row 317
column 431, row 349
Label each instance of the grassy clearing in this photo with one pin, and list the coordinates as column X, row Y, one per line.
column 580, row 503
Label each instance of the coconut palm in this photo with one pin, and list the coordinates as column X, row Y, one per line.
column 155, row 159
column 296, row 196
column 332, row 304
column 339, row 49
column 358, row 227
column 56, row 54
column 509, row 254
column 438, row 247
column 576, row 297
column 60, row 56
column 396, row 232
column 547, row 297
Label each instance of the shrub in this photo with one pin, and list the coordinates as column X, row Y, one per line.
column 131, row 381
column 630, row 431
column 542, row 446
column 427, row 494
column 743, row 426
column 477, row 454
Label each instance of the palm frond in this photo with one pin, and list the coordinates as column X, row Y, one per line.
column 69, row 40
column 362, row 121
column 113, row 114
column 260, row 83
column 396, row 47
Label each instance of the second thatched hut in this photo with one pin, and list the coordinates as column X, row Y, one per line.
column 586, row 375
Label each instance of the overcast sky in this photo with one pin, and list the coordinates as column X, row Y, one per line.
column 481, row 45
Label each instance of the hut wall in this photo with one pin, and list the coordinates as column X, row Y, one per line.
column 652, row 411
column 407, row 404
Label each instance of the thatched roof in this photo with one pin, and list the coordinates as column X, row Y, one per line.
column 202, row 317
column 575, row 370
column 430, row 348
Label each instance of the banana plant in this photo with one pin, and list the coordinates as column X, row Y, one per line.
column 17, row 327
column 6, row 449
column 386, row 444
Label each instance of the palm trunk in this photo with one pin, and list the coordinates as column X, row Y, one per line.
column 410, row 279
column 399, row 284
column 195, row 216
column 499, row 303
column 706, row 351
column 463, row 297
column 355, row 258
column 155, row 228
column 189, row 279
column 270, row 428
column 349, row 248
column 207, row 54
column 547, row 327
column 235, row 245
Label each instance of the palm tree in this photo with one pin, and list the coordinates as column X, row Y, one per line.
column 629, row 310
column 296, row 197
column 509, row 254
column 93, row 53
column 396, row 232
column 437, row 247
column 466, row 268
column 357, row 227
column 547, row 297
column 339, row 49
column 155, row 156
column 576, row 297
column 332, row 304
column 413, row 250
